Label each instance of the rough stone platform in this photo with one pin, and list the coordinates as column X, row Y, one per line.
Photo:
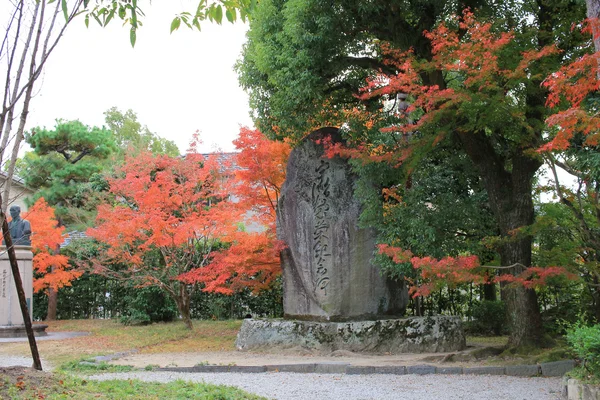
column 393, row 336
column 12, row 331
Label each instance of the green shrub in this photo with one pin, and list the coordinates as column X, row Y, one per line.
column 585, row 341
column 489, row 318
column 148, row 305
column 267, row 303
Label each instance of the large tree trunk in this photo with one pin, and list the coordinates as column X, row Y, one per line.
column 508, row 179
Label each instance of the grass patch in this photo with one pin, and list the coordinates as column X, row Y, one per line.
column 26, row 383
column 89, row 366
column 555, row 350
column 110, row 336
column 487, row 341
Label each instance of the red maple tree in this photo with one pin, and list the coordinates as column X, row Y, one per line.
column 255, row 179
column 52, row 268
column 262, row 163
column 174, row 224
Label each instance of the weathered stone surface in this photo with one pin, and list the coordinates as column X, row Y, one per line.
column 557, row 368
column 449, row 370
column 420, row 369
column 331, row 368
column 407, row 335
column 328, row 273
column 299, row 368
column 580, row 391
column 484, row 371
column 391, row 370
column 10, row 309
column 12, row 331
column 523, row 370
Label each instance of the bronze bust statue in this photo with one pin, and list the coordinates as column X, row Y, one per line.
column 20, row 229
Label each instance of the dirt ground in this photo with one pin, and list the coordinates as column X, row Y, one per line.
column 21, row 382
column 292, row 356
column 472, row 356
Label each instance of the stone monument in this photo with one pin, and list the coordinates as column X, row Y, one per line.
column 334, row 296
column 11, row 318
column 328, row 273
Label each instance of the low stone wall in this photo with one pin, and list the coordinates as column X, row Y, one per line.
column 551, row 369
column 406, row 335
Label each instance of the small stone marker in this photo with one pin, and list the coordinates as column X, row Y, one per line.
column 328, row 272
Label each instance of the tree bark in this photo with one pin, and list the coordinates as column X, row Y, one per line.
column 183, row 306
column 489, row 292
column 510, row 196
column 593, row 13
column 52, row 304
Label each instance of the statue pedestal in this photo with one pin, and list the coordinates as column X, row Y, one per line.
column 393, row 336
column 10, row 311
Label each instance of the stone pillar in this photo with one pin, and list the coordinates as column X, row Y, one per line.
column 10, row 311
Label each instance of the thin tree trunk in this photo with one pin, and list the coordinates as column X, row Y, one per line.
column 183, row 306
column 489, row 292
column 52, row 304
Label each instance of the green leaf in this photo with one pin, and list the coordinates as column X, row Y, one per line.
column 122, row 12
column 110, row 16
column 201, row 7
column 52, row 1
column 230, row 15
column 196, row 23
column 219, row 14
column 134, row 20
column 65, row 9
column 97, row 19
column 132, row 36
column 87, row 21
column 175, row 24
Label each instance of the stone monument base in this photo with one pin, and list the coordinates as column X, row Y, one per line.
column 406, row 335
column 12, row 331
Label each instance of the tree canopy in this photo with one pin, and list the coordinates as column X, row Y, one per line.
column 130, row 136
column 63, row 159
column 405, row 77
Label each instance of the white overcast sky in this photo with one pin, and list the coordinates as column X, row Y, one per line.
column 176, row 83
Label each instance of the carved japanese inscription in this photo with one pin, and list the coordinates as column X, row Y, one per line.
column 320, row 196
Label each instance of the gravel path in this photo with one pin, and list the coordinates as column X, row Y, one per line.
column 9, row 361
column 291, row 386
column 288, row 386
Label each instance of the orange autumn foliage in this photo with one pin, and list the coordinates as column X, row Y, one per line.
column 451, row 271
column 570, row 86
column 182, row 209
column 51, row 267
column 262, row 165
column 255, row 185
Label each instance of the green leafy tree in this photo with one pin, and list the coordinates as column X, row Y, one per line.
column 130, row 12
column 131, row 136
column 64, row 159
